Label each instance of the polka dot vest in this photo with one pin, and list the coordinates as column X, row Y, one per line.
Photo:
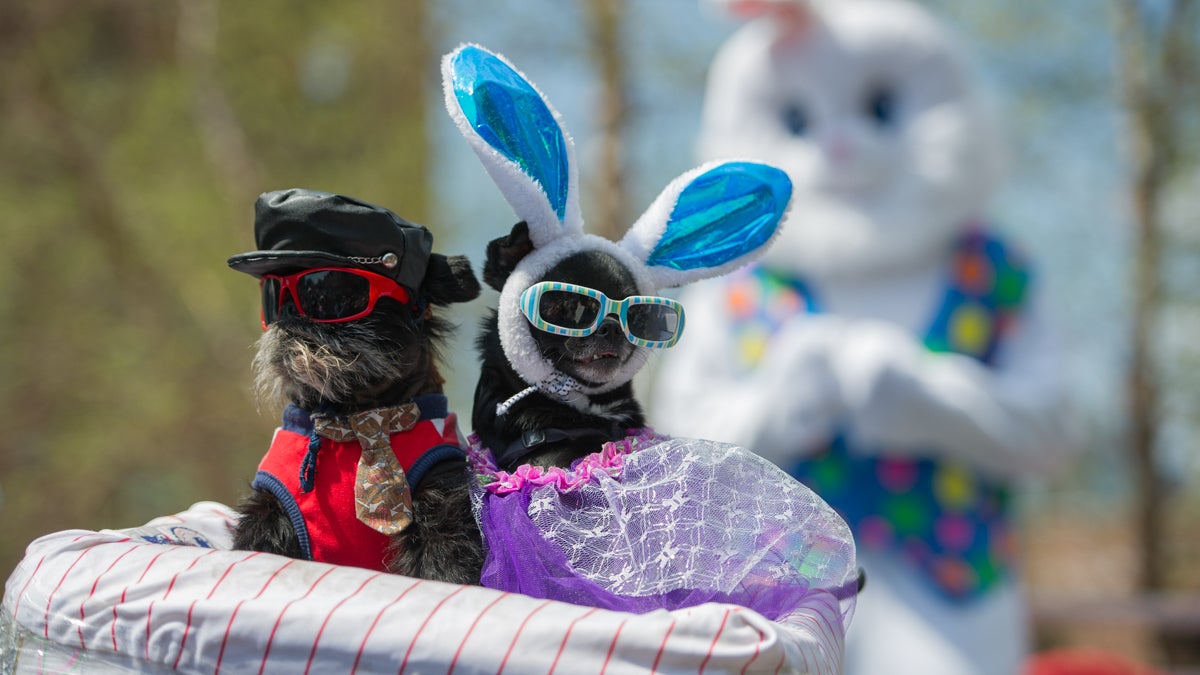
column 939, row 515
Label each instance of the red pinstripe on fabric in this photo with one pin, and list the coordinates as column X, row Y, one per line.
column 363, row 645
column 96, row 584
column 757, row 645
column 567, row 635
column 170, row 587
column 713, row 645
column 820, row 626
column 317, row 640
column 817, row 631
column 412, row 643
column 463, row 642
column 662, row 647
column 228, row 626
column 229, row 569
column 50, row 598
column 124, row 591
column 804, row 653
column 612, row 646
column 186, row 629
column 520, row 628
column 278, row 619
column 757, row 649
column 21, row 595
column 782, row 658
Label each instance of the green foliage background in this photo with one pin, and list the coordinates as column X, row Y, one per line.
column 134, row 138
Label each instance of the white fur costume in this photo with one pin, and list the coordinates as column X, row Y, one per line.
column 869, row 107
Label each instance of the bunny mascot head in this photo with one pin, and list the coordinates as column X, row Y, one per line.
column 870, row 108
column 706, row 222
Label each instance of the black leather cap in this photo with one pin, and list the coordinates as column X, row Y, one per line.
column 296, row 229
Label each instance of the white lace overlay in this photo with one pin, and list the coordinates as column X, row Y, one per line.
column 693, row 514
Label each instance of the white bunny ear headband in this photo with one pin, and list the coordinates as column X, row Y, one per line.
column 709, row 221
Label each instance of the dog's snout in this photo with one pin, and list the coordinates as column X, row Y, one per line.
column 609, row 327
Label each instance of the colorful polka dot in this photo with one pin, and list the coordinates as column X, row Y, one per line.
column 954, row 487
column 908, row 514
column 828, row 475
column 955, row 575
column 751, row 347
column 954, row 532
column 1010, row 287
column 975, row 274
column 896, row 475
column 740, row 301
column 875, row 532
column 970, row 327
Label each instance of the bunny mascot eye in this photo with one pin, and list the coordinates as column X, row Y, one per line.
column 706, row 222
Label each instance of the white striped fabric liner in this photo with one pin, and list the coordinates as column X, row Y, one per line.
column 114, row 601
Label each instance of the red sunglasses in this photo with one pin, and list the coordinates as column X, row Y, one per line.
column 328, row 294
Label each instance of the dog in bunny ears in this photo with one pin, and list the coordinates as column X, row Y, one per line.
column 577, row 499
column 578, row 315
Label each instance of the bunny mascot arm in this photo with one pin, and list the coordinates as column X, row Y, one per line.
column 891, row 349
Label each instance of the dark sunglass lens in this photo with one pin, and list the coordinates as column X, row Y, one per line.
column 568, row 310
column 331, row 294
column 270, row 300
column 657, row 323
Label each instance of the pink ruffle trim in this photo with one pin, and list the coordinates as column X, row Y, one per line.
column 608, row 460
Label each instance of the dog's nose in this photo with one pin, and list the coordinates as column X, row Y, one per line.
column 609, row 327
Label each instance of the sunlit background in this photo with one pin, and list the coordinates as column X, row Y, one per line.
column 134, row 137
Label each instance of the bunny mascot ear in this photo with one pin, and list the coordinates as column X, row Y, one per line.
column 518, row 137
column 709, row 221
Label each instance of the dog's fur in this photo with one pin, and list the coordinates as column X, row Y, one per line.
column 590, row 360
column 383, row 359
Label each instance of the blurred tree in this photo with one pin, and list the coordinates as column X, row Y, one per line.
column 1158, row 70
column 606, row 18
column 135, row 138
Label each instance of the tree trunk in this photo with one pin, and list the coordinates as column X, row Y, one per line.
column 612, row 211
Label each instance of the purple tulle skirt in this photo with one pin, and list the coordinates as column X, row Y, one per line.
column 652, row 522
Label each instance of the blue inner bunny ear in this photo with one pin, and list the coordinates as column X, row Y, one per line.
column 722, row 215
column 509, row 114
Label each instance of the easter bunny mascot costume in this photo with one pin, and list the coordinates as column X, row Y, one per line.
column 890, row 350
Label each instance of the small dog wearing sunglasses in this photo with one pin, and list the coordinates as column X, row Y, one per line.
column 367, row 468
column 529, row 426
column 576, row 499
column 578, row 314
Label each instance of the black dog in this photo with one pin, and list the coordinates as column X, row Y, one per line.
column 328, row 369
column 539, row 429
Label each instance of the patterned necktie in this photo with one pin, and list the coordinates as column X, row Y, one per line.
column 382, row 497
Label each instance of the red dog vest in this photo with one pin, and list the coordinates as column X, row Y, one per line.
column 324, row 517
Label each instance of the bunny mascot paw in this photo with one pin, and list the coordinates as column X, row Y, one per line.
column 891, row 349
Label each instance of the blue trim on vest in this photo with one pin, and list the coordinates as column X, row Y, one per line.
column 296, row 420
column 432, row 457
column 264, row 480
column 299, row 421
